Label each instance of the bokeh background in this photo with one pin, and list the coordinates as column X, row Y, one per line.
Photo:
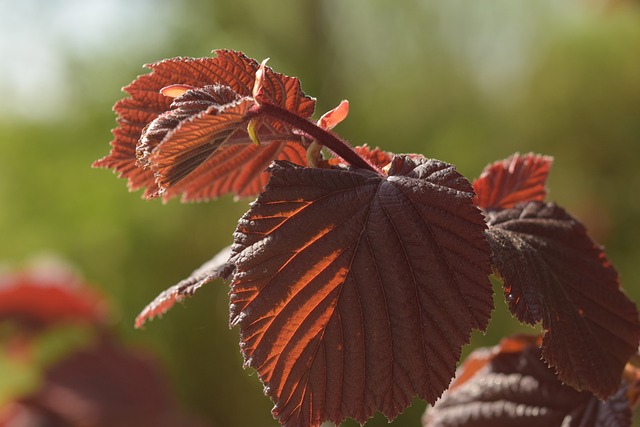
column 464, row 82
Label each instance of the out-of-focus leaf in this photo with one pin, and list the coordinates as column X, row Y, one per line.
column 67, row 370
column 554, row 273
column 104, row 386
column 355, row 291
column 510, row 385
column 632, row 377
column 48, row 295
column 217, row 267
column 211, row 154
column 519, row 178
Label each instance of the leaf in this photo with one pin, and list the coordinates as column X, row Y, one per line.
column 554, row 273
column 194, row 140
column 46, row 295
column 519, row 178
column 104, row 385
column 376, row 156
column 510, row 385
column 208, row 165
column 333, row 117
column 192, row 104
column 355, row 291
column 61, row 366
column 218, row 267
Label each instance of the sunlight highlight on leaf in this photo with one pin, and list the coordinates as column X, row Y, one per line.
column 519, row 178
column 174, row 91
column 182, row 93
column 333, row 117
column 355, row 291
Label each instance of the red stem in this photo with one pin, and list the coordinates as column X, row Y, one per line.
column 324, row 137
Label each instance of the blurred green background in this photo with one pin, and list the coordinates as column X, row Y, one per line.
column 464, row 82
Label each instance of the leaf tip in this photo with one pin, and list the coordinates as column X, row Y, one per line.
column 156, row 308
column 174, row 91
column 257, row 85
column 253, row 131
column 333, row 117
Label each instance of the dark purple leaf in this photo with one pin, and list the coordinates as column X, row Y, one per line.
column 554, row 273
column 355, row 291
column 510, row 385
column 104, row 386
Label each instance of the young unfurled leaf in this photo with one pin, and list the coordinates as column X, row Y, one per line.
column 519, row 178
column 258, row 91
column 192, row 104
column 178, row 136
column 174, row 91
column 509, row 385
column 355, row 291
column 333, row 117
column 218, row 267
column 376, row 156
column 554, row 273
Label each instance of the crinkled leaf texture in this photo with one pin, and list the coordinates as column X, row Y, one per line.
column 355, row 291
column 554, row 273
column 196, row 145
column 509, row 385
column 219, row 267
column 519, row 178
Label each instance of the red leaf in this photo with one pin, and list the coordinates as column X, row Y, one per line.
column 217, row 267
column 376, row 156
column 192, row 104
column 148, row 121
column 355, row 291
column 193, row 141
column 554, row 273
column 333, row 117
column 510, row 385
column 520, row 178
column 48, row 295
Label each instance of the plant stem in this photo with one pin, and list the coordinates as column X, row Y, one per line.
column 324, row 137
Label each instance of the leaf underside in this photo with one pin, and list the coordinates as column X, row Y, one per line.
column 354, row 292
column 219, row 267
column 510, row 385
column 519, row 178
column 196, row 152
column 553, row 273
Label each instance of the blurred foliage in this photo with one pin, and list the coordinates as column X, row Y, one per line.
column 463, row 82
